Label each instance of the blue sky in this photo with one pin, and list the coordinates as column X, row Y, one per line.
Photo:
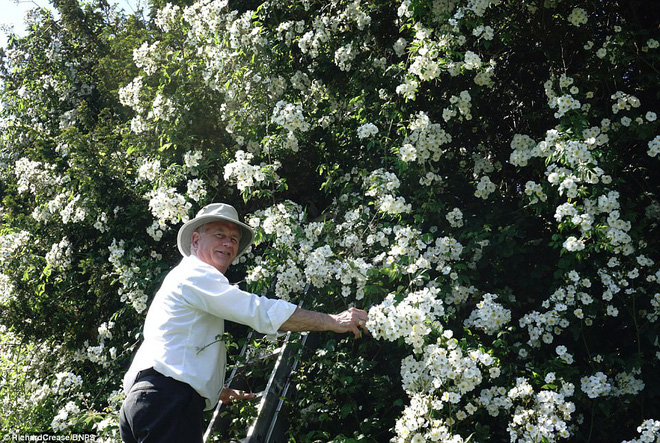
column 12, row 14
column 13, row 11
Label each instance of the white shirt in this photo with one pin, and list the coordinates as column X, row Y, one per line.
column 185, row 320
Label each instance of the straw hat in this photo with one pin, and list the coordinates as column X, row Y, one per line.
column 212, row 213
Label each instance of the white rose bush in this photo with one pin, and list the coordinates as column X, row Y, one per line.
column 480, row 175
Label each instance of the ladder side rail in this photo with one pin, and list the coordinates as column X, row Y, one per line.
column 270, row 398
column 263, row 423
column 285, row 390
column 218, row 407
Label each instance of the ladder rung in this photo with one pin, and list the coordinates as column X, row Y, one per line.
column 264, row 355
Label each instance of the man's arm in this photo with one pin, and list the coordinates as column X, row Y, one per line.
column 350, row 320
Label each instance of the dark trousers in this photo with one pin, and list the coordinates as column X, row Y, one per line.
column 159, row 409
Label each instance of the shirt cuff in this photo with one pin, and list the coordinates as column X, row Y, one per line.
column 279, row 314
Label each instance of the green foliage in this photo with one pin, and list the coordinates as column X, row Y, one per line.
column 348, row 382
column 479, row 174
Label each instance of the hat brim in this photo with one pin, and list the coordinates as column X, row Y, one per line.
column 184, row 238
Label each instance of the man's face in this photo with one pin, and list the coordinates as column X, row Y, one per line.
column 216, row 244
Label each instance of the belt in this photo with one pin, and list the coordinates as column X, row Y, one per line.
column 152, row 372
column 145, row 373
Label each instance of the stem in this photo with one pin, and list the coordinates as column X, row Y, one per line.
column 634, row 317
column 591, row 426
column 586, row 345
column 639, row 342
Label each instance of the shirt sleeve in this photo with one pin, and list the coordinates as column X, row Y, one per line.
column 207, row 289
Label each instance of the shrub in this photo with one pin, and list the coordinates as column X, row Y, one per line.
column 479, row 174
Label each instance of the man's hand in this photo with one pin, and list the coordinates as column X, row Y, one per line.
column 228, row 395
column 353, row 320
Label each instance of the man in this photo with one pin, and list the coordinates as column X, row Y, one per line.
column 179, row 369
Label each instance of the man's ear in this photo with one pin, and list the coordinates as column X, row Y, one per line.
column 194, row 241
